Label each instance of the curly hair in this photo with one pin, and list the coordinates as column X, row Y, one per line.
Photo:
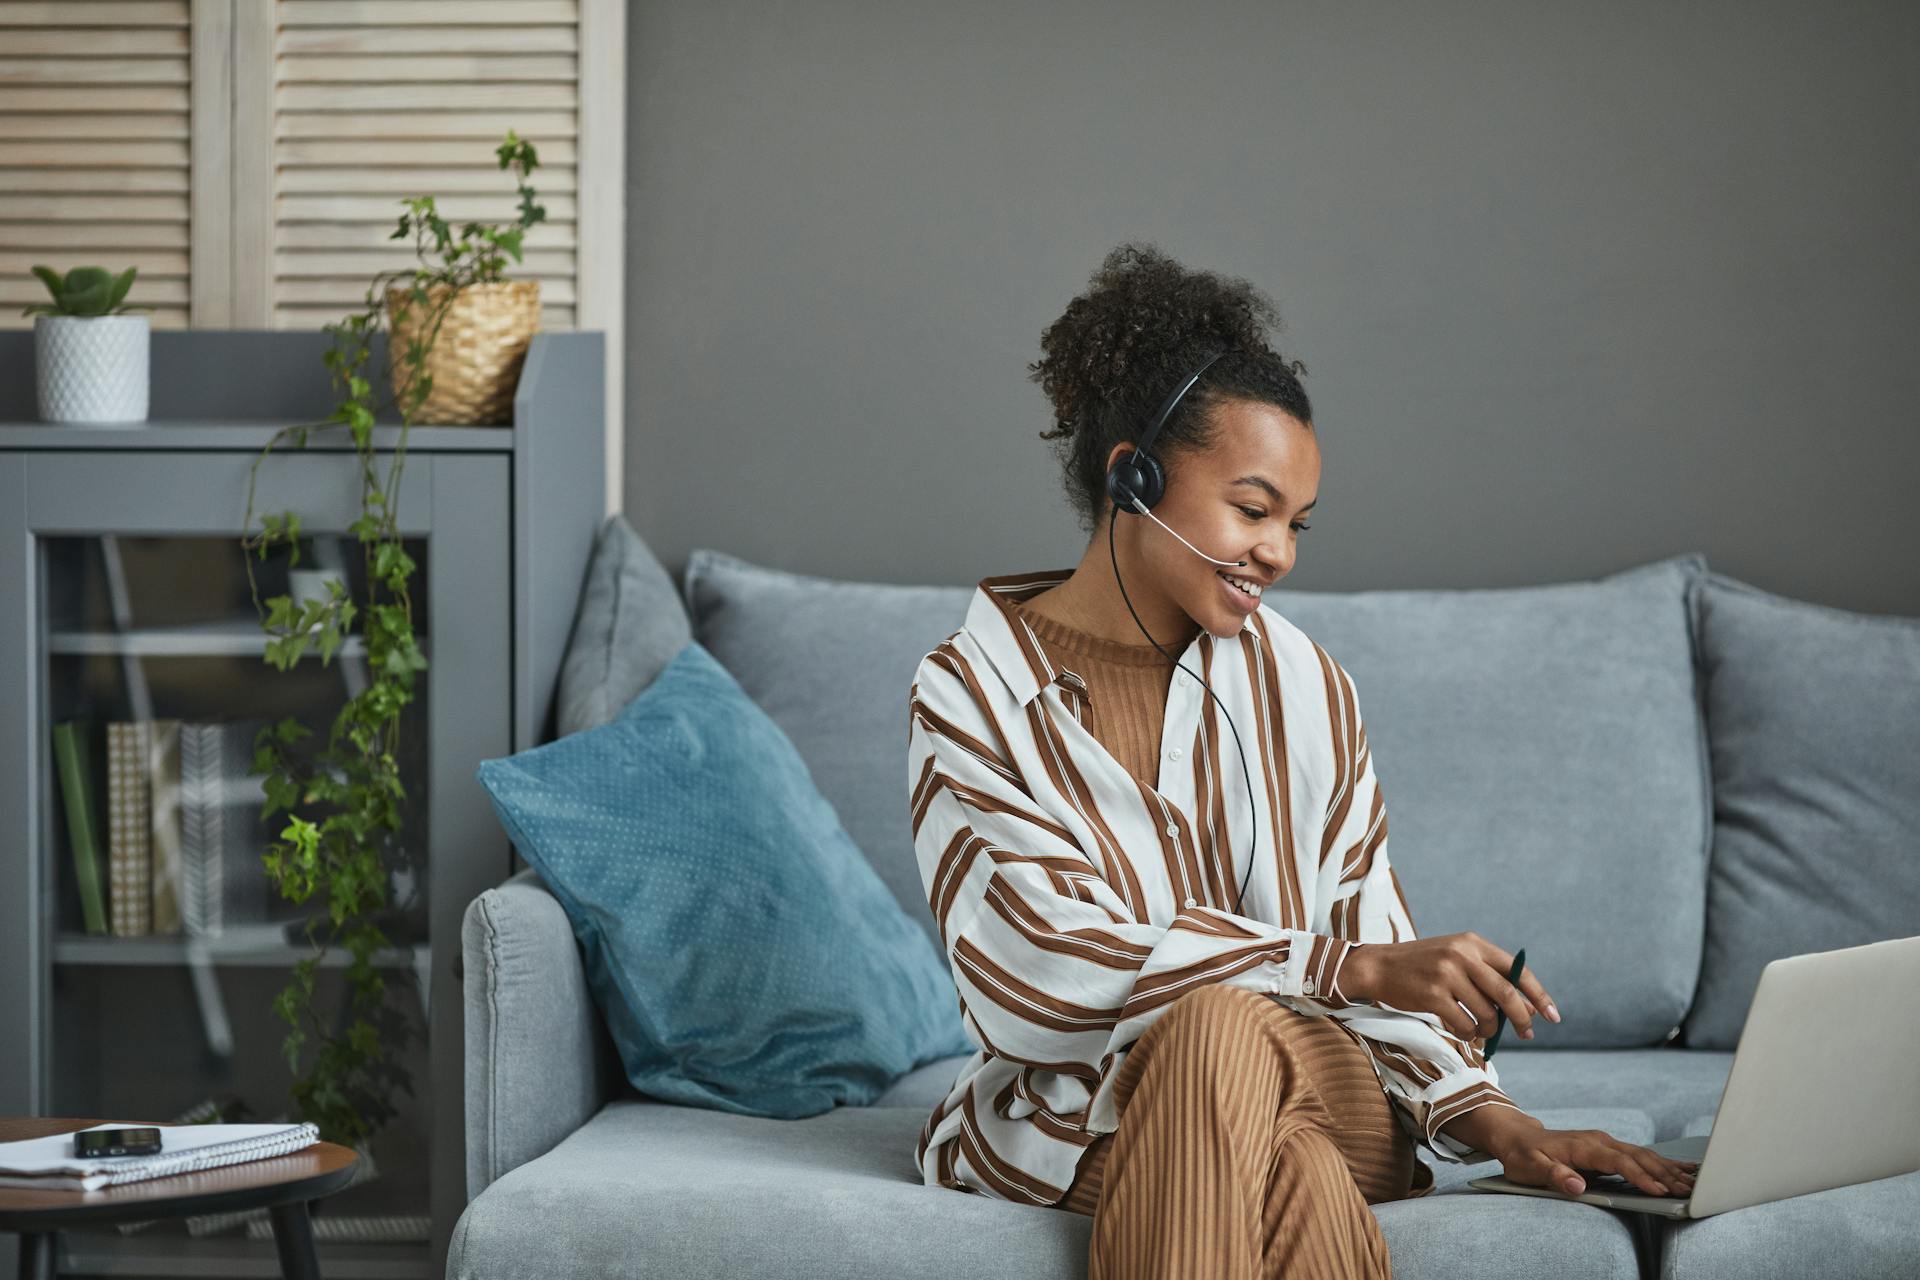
column 1143, row 325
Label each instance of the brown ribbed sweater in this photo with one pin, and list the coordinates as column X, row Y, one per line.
column 1126, row 690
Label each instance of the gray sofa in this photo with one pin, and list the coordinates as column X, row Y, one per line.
column 1656, row 782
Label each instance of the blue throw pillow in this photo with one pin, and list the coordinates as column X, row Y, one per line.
column 745, row 955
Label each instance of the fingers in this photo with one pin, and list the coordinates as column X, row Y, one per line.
column 1493, row 986
column 1647, row 1170
column 1643, row 1169
column 1566, row 1179
column 1678, row 1175
column 1476, row 1013
column 1528, row 996
column 1534, row 992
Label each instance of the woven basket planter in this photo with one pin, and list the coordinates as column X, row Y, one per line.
column 475, row 361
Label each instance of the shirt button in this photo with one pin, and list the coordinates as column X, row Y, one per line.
column 1190, row 902
column 1184, row 679
column 1173, row 754
column 1173, row 828
column 1307, row 986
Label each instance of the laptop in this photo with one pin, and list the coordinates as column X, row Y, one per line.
column 1824, row 1090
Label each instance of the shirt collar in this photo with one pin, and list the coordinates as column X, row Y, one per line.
column 1007, row 640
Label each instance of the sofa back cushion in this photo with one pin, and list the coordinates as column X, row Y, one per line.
column 1544, row 766
column 831, row 663
column 630, row 623
column 1813, row 719
column 1540, row 751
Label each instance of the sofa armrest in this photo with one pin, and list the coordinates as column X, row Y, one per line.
column 539, row 1061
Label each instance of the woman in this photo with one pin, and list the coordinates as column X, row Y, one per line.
column 1168, row 907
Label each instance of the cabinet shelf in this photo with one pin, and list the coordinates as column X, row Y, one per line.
column 249, row 946
column 251, row 436
column 235, row 637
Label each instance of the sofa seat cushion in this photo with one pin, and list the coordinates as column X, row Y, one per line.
column 1671, row 1087
column 649, row 1189
column 1871, row 1229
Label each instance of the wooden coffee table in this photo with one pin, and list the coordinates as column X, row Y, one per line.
column 281, row 1184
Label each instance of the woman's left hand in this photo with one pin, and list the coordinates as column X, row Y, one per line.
column 1542, row 1157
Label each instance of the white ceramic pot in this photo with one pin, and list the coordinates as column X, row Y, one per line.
column 92, row 369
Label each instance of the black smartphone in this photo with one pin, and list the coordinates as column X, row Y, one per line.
column 116, row 1142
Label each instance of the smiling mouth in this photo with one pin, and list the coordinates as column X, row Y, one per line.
column 1245, row 587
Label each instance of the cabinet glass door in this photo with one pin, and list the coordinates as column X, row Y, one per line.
column 170, row 943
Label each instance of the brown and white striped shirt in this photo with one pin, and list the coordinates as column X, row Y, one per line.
column 1076, row 903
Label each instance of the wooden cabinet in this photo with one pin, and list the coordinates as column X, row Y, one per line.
column 123, row 597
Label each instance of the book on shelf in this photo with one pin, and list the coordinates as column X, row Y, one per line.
column 129, row 839
column 222, row 836
column 72, row 754
column 163, row 823
column 184, row 835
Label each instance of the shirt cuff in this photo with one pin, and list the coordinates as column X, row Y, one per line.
column 1452, row 1098
column 1320, row 974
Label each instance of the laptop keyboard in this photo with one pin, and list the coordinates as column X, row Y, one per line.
column 1619, row 1182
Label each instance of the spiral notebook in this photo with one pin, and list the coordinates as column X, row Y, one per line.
column 49, row 1162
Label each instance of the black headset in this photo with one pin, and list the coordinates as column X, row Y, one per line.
column 1138, row 477
column 1139, row 474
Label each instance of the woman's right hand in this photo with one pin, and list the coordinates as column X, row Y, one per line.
column 1438, row 975
column 1536, row 1156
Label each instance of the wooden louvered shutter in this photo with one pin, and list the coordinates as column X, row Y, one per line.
column 363, row 104
column 96, row 118
column 343, row 108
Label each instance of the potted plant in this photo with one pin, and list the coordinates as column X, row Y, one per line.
column 343, row 806
column 462, row 327
column 90, row 351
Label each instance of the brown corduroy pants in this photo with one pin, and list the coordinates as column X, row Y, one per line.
column 1252, row 1138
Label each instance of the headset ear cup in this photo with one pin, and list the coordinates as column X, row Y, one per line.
column 1152, row 480
column 1120, row 479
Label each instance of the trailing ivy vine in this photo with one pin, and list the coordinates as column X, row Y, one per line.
column 343, row 805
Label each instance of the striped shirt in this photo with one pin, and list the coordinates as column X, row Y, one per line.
column 1076, row 903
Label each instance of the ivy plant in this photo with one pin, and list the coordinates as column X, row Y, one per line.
column 343, row 802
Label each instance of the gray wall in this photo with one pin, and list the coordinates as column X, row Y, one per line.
column 1577, row 286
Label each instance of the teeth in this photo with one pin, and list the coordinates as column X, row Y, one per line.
column 1246, row 588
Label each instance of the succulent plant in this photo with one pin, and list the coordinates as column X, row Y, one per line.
column 84, row 291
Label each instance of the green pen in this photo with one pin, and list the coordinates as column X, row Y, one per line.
column 1499, row 1014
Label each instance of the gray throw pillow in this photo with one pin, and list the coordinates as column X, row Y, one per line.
column 831, row 662
column 629, row 625
column 1813, row 723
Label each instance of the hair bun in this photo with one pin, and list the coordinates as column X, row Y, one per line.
column 1145, row 323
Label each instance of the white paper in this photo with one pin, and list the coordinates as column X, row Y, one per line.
column 49, row 1162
